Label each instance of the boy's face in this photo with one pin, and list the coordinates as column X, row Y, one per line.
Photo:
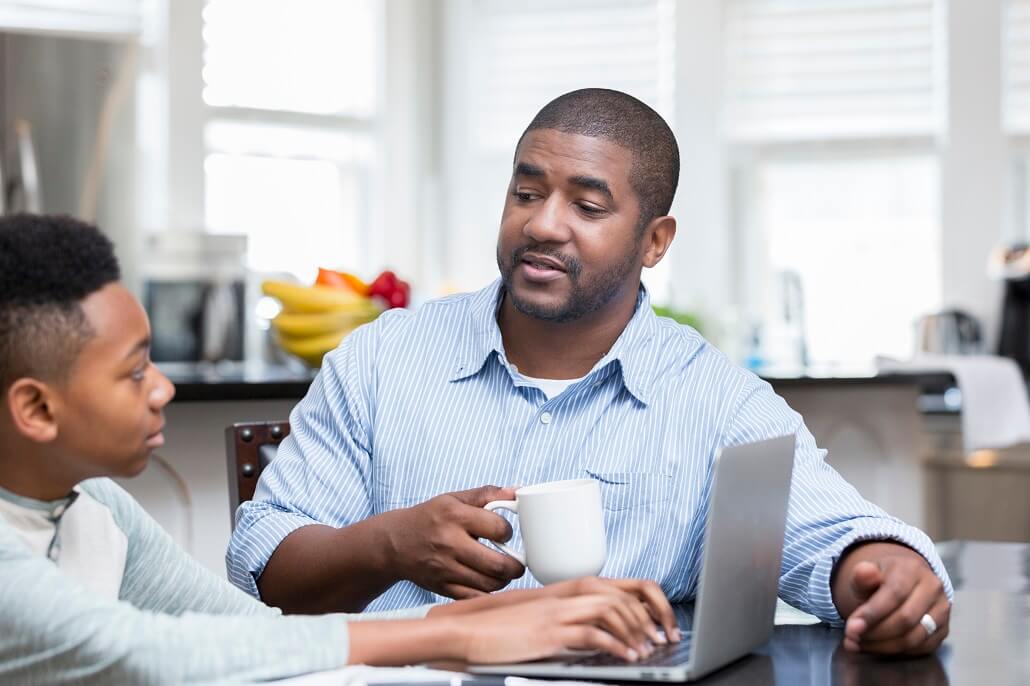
column 109, row 412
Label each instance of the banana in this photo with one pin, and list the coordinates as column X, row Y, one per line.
column 312, row 349
column 298, row 325
column 313, row 298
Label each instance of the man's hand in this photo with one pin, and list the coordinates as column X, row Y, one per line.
column 883, row 590
column 434, row 544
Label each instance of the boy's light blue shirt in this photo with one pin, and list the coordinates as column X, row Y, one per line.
column 422, row 403
column 174, row 622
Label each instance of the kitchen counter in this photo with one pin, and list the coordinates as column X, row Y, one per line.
column 237, row 381
column 258, row 381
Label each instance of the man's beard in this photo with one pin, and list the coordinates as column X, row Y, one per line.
column 585, row 296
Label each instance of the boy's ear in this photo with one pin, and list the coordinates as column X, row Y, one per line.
column 31, row 403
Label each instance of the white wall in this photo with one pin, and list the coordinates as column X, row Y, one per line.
column 975, row 163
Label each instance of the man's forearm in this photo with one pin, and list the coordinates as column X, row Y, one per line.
column 844, row 597
column 318, row 569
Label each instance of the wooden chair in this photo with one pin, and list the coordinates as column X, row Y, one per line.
column 249, row 447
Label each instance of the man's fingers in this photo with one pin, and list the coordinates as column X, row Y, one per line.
column 459, row 574
column 865, row 580
column 924, row 599
column 481, row 523
column 489, row 562
column 888, row 597
column 459, row 592
column 913, row 640
column 478, row 497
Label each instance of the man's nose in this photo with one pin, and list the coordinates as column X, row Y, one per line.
column 548, row 223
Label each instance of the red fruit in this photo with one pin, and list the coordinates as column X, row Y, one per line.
column 398, row 299
column 383, row 285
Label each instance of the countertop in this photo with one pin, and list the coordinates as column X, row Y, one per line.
column 258, row 381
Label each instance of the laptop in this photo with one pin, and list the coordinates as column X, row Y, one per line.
column 740, row 569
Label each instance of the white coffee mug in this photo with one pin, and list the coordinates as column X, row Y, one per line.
column 562, row 526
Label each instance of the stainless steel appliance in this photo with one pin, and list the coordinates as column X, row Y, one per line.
column 194, row 289
column 949, row 332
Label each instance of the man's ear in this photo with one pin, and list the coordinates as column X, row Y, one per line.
column 31, row 403
column 657, row 239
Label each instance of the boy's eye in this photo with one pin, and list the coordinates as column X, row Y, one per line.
column 140, row 373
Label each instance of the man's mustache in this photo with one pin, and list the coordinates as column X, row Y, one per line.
column 572, row 266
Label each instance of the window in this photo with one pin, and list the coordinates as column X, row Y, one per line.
column 292, row 107
column 509, row 59
column 833, row 108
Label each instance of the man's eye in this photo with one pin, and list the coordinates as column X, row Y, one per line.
column 523, row 196
column 592, row 209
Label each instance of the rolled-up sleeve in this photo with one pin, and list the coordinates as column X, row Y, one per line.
column 322, row 472
column 826, row 514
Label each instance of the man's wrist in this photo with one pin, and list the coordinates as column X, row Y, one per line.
column 376, row 544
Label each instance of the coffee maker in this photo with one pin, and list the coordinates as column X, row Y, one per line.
column 1011, row 264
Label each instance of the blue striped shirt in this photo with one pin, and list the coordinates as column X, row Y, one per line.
column 422, row 403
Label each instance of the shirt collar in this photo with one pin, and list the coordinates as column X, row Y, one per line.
column 485, row 336
column 50, row 508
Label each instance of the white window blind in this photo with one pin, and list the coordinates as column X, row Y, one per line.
column 1016, row 60
column 805, row 69
column 525, row 53
column 314, row 56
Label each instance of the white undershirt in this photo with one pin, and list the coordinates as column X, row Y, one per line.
column 78, row 534
column 552, row 388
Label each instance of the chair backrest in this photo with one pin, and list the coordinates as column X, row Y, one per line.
column 249, row 447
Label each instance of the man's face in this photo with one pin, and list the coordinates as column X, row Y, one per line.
column 110, row 417
column 568, row 243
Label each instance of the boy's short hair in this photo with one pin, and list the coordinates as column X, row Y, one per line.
column 48, row 265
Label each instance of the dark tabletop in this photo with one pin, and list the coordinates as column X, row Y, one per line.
column 989, row 643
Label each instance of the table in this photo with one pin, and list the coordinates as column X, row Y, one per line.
column 989, row 643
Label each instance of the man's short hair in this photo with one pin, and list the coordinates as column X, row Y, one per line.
column 48, row 265
column 625, row 121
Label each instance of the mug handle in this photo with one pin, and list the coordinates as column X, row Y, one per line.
column 510, row 506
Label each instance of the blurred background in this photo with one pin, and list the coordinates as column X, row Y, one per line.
column 855, row 185
column 857, row 158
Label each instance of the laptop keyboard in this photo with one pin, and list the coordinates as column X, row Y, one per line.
column 664, row 656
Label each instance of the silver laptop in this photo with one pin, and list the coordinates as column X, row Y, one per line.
column 736, row 597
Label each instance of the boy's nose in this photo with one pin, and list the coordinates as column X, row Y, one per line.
column 163, row 392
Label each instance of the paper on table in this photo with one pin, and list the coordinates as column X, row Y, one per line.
column 786, row 614
column 360, row 675
column 995, row 408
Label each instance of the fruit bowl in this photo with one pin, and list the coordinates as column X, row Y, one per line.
column 315, row 319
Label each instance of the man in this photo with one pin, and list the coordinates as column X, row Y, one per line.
column 559, row 370
column 93, row 591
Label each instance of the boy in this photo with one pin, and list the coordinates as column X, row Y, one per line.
column 92, row 589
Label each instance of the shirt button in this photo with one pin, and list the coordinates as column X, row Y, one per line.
column 545, row 418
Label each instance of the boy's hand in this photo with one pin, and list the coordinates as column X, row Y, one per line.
column 615, row 623
column 648, row 593
column 435, row 544
column 645, row 597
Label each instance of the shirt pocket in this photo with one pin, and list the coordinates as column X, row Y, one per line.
column 632, row 490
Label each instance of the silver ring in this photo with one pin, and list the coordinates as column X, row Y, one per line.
column 927, row 623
